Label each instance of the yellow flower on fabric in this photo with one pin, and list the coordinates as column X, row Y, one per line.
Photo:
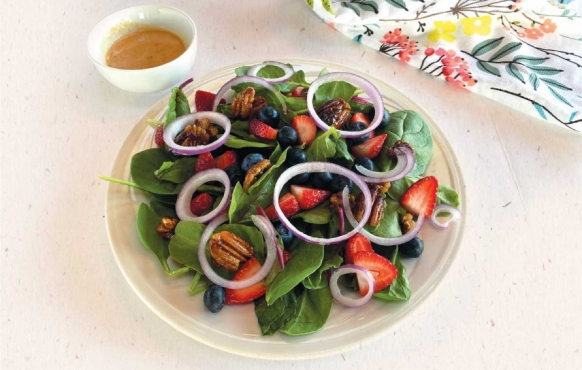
column 443, row 30
column 477, row 25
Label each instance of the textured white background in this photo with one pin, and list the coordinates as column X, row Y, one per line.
column 512, row 299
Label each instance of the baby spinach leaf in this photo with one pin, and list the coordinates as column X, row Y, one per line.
column 399, row 290
column 252, row 142
column 240, row 128
column 162, row 209
column 342, row 154
column 177, row 106
column 177, row 172
column 407, row 126
column 399, row 187
column 143, row 167
column 323, row 72
column 360, row 107
column 298, row 79
column 332, row 90
column 446, row 195
column 313, row 308
column 241, row 71
column 388, row 226
column 317, row 279
column 320, row 215
column 214, row 190
column 147, row 220
column 323, row 146
column 184, row 245
column 305, row 259
column 272, row 318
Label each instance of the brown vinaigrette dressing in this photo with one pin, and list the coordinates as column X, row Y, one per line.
column 144, row 48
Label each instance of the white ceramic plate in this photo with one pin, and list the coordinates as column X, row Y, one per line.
column 235, row 329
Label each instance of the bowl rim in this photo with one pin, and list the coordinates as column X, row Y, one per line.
column 183, row 13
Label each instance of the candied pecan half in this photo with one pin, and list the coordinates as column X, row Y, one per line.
column 242, row 103
column 167, row 226
column 199, row 133
column 398, row 144
column 377, row 211
column 255, row 172
column 258, row 104
column 229, row 250
column 335, row 112
column 336, row 201
column 359, row 207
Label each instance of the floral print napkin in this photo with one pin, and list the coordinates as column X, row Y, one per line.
column 526, row 54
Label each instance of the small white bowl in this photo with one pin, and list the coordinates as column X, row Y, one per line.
column 131, row 19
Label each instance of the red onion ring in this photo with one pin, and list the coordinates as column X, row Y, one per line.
column 247, row 79
column 176, row 126
column 189, row 188
column 265, row 227
column 185, row 83
column 455, row 215
column 377, row 239
column 405, row 158
column 280, row 257
column 321, row 167
column 288, row 72
column 351, row 269
column 358, row 81
column 358, row 99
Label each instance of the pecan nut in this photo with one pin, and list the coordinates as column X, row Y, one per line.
column 242, row 103
column 359, row 207
column 258, row 104
column 336, row 201
column 255, row 172
column 229, row 250
column 377, row 211
column 398, row 144
column 166, row 227
column 335, row 112
column 407, row 223
column 199, row 133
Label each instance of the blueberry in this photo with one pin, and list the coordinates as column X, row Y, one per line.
column 235, row 174
column 385, row 120
column 339, row 182
column 250, row 160
column 364, row 162
column 300, row 179
column 269, row 115
column 357, row 126
column 214, row 298
column 321, row 180
column 287, row 136
column 412, row 249
column 295, row 156
column 286, row 235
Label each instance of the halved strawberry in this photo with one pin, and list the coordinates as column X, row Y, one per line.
column 205, row 162
column 357, row 243
column 246, row 295
column 383, row 271
column 159, row 136
column 309, row 198
column 371, row 148
column 226, row 159
column 421, row 197
column 288, row 204
column 361, row 117
column 203, row 100
column 201, row 204
column 305, row 127
column 299, row 91
column 262, row 130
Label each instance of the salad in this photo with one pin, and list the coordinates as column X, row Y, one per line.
column 289, row 195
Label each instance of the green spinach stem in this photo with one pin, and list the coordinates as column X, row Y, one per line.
column 121, row 182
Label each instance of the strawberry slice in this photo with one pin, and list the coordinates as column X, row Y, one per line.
column 262, row 130
column 204, row 100
column 159, row 136
column 288, row 204
column 306, row 129
column 286, row 256
column 357, row 243
column 309, row 198
column 361, row 117
column 205, row 162
column 383, row 271
column 246, row 295
column 299, row 91
column 226, row 159
column 371, row 148
column 201, row 204
column 421, row 196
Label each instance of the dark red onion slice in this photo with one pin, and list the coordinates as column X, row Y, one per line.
column 455, row 215
column 357, row 81
column 288, row 72
column 377, row 239
column 265, row 227
column 362, row 273
column 189, row 188
column 247, row 79
column 405, row 158
column 280, row 257
column 185, row 83
column 321, row 167
column 176, row 126
column 359, row 99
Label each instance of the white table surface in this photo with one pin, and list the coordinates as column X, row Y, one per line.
column 512, row 299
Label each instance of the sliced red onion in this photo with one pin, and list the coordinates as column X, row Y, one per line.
column 377, row 239
column 265, row 227
column 185, row 83
column 362, row 273
column 405, row 158
column 321, row 167
column 357, row 81
column 280, row 257
column 247, row 79
column 288, row 72
column 455, row 215
column 176, row 126
column 359, row 99
column 185, row 196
